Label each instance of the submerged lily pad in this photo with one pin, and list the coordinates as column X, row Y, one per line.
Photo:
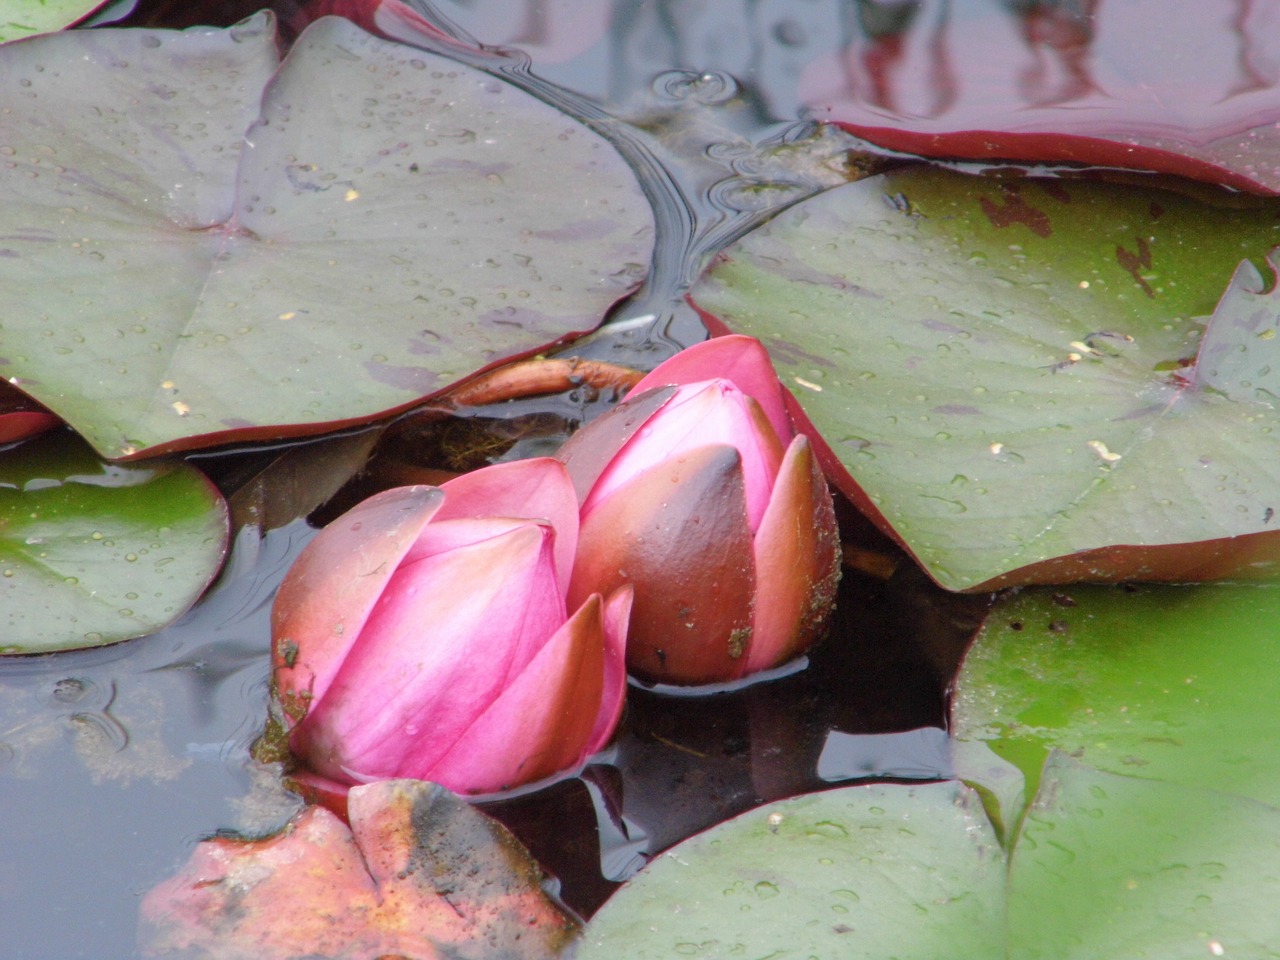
column 196, row 250
column 1001, row 371
column 94, row 552
column 1111, row 84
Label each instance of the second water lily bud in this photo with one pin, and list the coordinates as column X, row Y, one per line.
column 424, row 635
column 698, row 492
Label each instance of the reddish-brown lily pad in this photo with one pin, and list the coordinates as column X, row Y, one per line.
column 420, row 874
column 1124, row 84
column 22, row 417
column 196, row 246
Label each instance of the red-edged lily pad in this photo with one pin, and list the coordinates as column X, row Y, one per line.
column 1005, row 371
column 420, row 874
column 20, row 19
column 22, row 417
column 1115, row 84
column 196, row 246
column 94, row 552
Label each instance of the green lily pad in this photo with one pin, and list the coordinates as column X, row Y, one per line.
column 199, row 247
column 912, row 873
column 26, row 18
column 1122, row 868
column 1239, row 352
column 1002, row 369
column 94, row 552
column 1138, row 725
column 1160, row 682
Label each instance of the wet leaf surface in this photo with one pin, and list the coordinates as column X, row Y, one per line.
column 1240, row 352
column 872, row 871
column 94, row 552
column 26, row 18
column 999, row 369
column 1128, row 727
column 185, row 265
column 1135, row 716
column 1164, row 683
column 420, row 874
column 1108, row 84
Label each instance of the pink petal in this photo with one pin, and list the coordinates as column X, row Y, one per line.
column 538, row 488
column 708, row 412
column 449, row 633
column 678, row 533
column 445, row 536
column 742, row 360
column 543, row 721
column 797, row 562
column 329, row 592
column 617, row 615
column 588, row 452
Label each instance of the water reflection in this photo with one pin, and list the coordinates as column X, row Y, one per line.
column 115, row 760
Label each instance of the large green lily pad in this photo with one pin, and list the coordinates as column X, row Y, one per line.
column 1123, row 868
column 1123, row 742
column 94, row 552
column 912, row 873
column 1003, row 370
column 1166, row 683
column 195, row 246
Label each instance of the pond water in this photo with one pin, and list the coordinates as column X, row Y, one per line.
column 115, row 762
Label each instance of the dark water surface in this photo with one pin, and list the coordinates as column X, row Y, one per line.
column 115, row 762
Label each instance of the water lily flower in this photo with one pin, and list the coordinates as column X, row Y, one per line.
column 698, row 491
column 424, row 634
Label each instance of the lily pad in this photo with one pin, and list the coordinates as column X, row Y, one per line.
column 22, row 417
column 1111, row 84
column 26, row 18
column 198, row 247
column 1239, row 353
column 94, row 552
column 1103, row 865
column 913, row 873
column 420, row 874
column 1000, row 370
column 1118, row 867
column 1164, row 683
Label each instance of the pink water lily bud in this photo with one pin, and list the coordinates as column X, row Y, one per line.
column 424, row 634
column 698, row 492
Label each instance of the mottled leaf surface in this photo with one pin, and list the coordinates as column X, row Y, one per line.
column 94, row 552
column 196, row 247
column 1001, row 371
column 420, row 874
